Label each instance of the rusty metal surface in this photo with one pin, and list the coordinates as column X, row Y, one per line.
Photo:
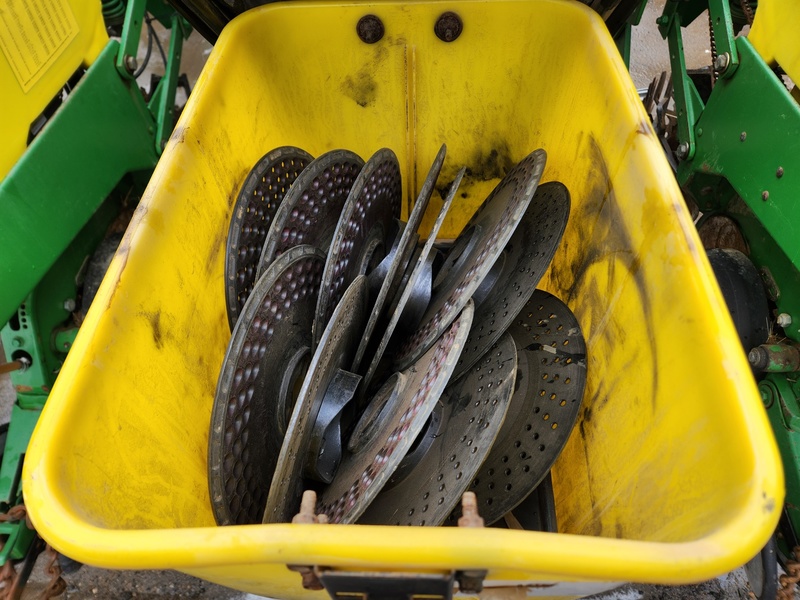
column 361, row 237
column 474, row 252
column 517, row 272
column 310, row 211
column 335, row 351
column 464, row 424
column 261, row 194
column 270, row 344
column 363, row 473
column 551, row 377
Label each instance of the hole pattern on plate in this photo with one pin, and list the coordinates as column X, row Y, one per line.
column 377, row 201
column 527, row 257
column 550, row 384
column 244, row 488
column 514, row 193
column 339, row 507
column 258, row 201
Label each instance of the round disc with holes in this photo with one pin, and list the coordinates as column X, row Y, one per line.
column 311, row 209
column 411, row 285
column 258, row 201
column 464, row 424
column 474, row 252
column 551, row 376
column 363, row 473
column 335, row 351
column 403, row 253
column 516, row 273
column 360, row 240
column 267, row 355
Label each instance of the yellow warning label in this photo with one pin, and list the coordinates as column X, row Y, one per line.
column 33, row 33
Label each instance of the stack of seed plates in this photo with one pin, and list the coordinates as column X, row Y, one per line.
column 385, row 373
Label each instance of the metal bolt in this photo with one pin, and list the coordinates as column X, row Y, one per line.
column 767, row 396
column 469, row 511
column 765, row 195
column 130, row 63
column 683, row 150
column 722, row 61
column 779, row 172
column 448, row 27
column 662, row 20
column 743, row 137
column 17, row 342
column 699, row 131
column 784, row 320
column 69, row 305
column 370, row 29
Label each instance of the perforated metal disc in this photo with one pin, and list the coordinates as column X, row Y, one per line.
column 551, row 377
column 403, row 255
column 519, row 268
column 271, row 340
column 465, row 422
column 258, row 201
column 411, row 284
column 360, row 240
column 364, row 472
column 311, row 209
column 474, row 252
column 335, row 351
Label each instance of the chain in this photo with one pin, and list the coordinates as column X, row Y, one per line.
column 713, row 48
column 791, row 578
column 14, row 514
column 748, row 11
column 56, row 586
column 8, row 575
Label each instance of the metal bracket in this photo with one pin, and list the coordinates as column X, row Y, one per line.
column 394, row 585
column 687, row 100
column 387, row 586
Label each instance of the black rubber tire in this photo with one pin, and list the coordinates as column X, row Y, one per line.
column 744, row 294
column 762, row 572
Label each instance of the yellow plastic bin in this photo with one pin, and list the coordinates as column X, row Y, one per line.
column 671, row 474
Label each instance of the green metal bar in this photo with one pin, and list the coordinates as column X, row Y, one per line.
column 20, row 429
column 129, row 40
column 779, row 395
column 727, row 56
column 687, row 100
column 163, row 100
column 623, row 41
column 102, row 132
column 749, row 134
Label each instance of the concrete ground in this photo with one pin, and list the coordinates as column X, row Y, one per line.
column 650, row 58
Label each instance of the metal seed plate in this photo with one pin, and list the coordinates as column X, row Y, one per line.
column 519, row 268
column 464, row 425
column 311, row 209
column 251, row 405
column 404, row 253
column 412, row 284
column 335, row 351
column 363, row 473
column 551, row 377
column 482, row 241
column 360, row 239
column 258, row 201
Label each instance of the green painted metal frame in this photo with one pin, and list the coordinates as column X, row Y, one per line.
column 103, row 131
column 55, row 206
column 742, row 159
